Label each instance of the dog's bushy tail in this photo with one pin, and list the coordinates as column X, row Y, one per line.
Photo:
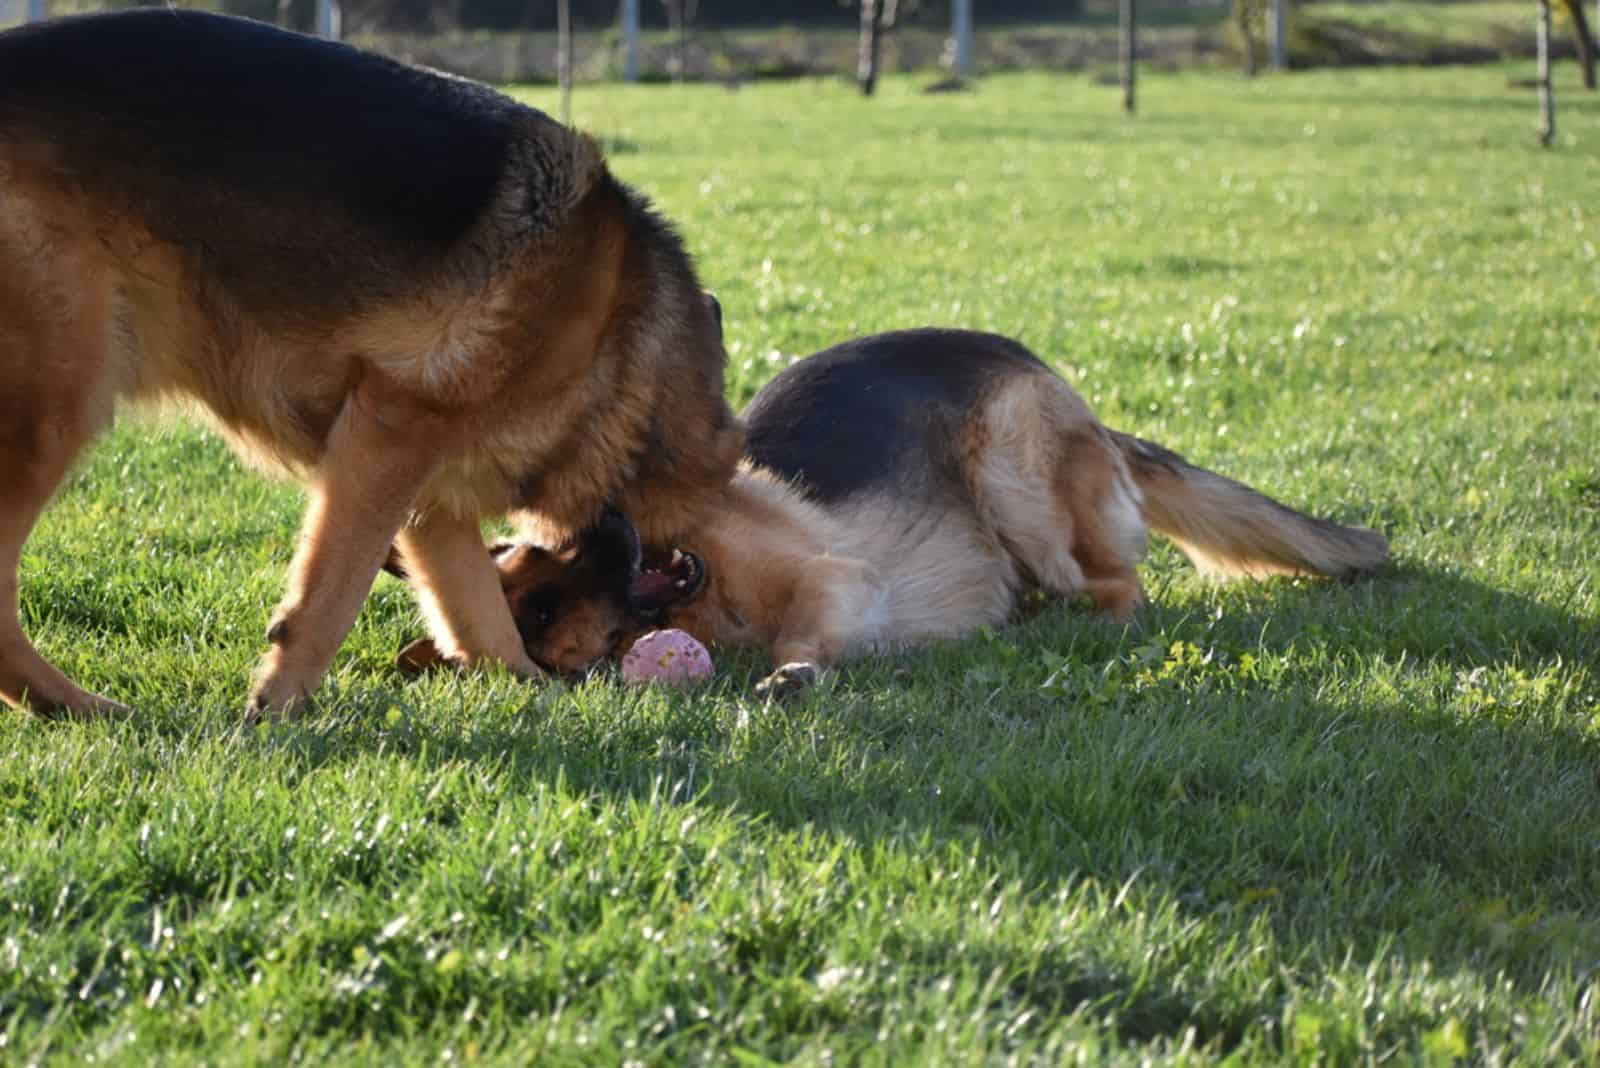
column 1228, row 529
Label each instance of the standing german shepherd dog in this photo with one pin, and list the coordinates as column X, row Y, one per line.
column 427, row 301
column 911, row 486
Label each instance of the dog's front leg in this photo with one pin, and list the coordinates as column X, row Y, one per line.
column 378, row 455
column 459, row 589
column 828, row 613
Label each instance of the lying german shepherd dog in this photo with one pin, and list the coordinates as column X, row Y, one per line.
column 901, row 488
column 429, row 302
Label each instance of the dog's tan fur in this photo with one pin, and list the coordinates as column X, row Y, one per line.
column 1050, row 499
column 542, row 366
column 555, row 597
column 1056, row 509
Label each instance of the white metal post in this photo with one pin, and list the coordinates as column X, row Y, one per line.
column 1280, row 34
column 564, row 57
column 630, row 40
column 1129, row 51
column 1547, row 95
column 961, row 31
column 328, row 19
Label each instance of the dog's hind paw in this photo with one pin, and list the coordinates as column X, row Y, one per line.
column 81, row 705
column 789, row 681
column 420, row 656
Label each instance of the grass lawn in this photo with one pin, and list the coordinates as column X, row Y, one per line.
column 1277, row 821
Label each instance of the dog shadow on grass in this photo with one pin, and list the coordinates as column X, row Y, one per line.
column 1403, row 768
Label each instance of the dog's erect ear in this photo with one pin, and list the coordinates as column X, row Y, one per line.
column 612, row 546
column 395, row 565
column 715, row 307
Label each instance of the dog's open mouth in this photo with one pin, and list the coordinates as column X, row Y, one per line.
column 665, row 579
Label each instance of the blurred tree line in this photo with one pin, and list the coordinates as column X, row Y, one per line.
column 431, row 15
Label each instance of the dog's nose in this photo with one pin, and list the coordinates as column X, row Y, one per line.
column 574, row 659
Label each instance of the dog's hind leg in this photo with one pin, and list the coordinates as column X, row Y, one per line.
column 1096, row 500
column 26, row 678
column 1056, row 493
column 56, row 396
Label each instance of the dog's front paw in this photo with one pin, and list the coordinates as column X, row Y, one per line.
column 278, row 695
column 789, row 681
column 266, row 707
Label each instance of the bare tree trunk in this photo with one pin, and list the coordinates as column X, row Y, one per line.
column 1547, row 103
column 1243, row 15
column 1129, row 52
column 678, row 28
column 564, row 57
column 675, row 31
column 1586, row 42
column 683, row 46
column 869, row 45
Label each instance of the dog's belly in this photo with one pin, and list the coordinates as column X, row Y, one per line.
column 937, row 571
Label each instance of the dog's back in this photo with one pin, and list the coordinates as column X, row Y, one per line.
column 411, row 291
column 966, row 470
column 908, row 486
column 301, row 153
column 891, row 434
column 881, row 414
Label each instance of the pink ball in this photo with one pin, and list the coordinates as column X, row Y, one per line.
column 671, row 656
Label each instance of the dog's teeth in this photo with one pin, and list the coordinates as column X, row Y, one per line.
column 681, row 583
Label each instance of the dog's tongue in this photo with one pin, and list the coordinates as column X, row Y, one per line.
column 664, row 580
column 653, row 584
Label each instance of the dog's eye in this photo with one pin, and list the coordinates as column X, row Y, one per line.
column 537, row 611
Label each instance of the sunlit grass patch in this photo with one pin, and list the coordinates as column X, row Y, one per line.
column 1284, row 821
